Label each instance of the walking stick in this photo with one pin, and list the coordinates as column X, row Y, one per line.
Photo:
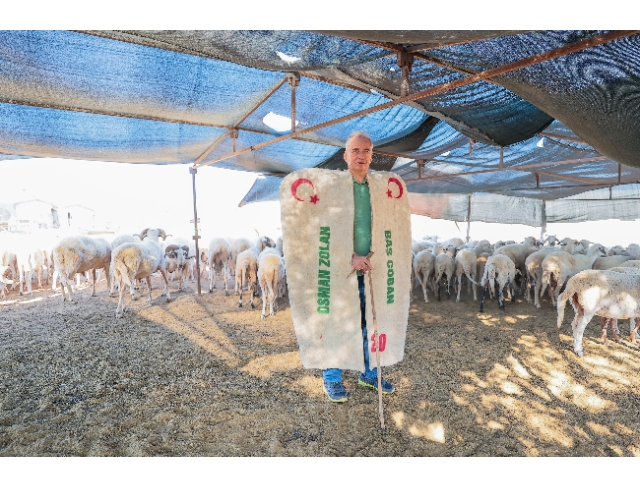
column 377, row 343
column 375, row 331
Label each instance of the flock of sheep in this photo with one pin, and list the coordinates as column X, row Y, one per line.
column 128, row 259
column 595, row 280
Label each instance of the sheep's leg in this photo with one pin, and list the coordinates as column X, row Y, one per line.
column 614, row 329
column 500, row 295
column 70, row 289
column 212, row 279
column 272, row 296
column 473, row 286
column 604, row 324
column 163, row 273
column 93, row 289
column 62, row 284
column 484, row 289
column 578, row 333
column 149, row 285
column 459, row 288
column 632, row 327
column 264, row 300
column 528, row 291
column 423, row 283
column 21, row 280
column 634, row 330
column 122, row 280
column 227, row 276
column 536, row 293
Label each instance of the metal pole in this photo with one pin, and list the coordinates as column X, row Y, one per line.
column 294, row 80
column 469, row 220
column 196, row 237
column 543, row 228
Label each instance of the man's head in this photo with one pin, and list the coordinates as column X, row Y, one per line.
column 358, row 154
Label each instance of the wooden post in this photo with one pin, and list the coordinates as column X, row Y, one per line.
column 196, row 237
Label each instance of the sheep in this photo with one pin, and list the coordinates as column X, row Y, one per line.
column 270, row 274
column 219, row 260
column 455, row 241
column 609, row 261
column 424, row 270
column 138, row 260
column 533, row 266
column 4, row 280
column 444, row 266
column 30, row 261
column 237, row 246
column 552, row 239
column 628, row 267
column 280, row 245
column 79, row 254
column 247, row 273
column 420, row 246
column 263, row 242
column 177, row 260
column 466, row 263
column 10, row 260
column 560, row 266
column 633, row 250
column 518, row 253
column 617, row 250
column 499, row 274
column 605, row 293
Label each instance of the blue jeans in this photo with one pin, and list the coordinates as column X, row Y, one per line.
column 335, row 375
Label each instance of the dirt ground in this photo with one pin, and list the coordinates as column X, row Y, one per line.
column 202, row 377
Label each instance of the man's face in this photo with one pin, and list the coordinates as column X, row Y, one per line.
column 358, row 155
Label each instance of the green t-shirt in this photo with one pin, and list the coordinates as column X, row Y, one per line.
column 362, row 219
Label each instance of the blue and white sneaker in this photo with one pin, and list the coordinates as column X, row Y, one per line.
column 387, row 387
column 335, row 391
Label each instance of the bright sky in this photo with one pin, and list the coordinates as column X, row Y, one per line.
column 136, row 196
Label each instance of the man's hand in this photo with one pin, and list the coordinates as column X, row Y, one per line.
column 361, row 263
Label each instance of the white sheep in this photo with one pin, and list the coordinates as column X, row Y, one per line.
column 79, row 254
column 445, row 267
column 467, row 264
column 219, row 259
column 270, row 275
column 263, row 242
column 238, row 245
column 558, row 267
column 424, row 269
column 611, row 260
column 138, row 260
column 518, row 253
column 605, row 293
column 533, row 266
column 247, row 273
column 30, row 261
column 499, row 275
column 177, row 260
column 4, row 280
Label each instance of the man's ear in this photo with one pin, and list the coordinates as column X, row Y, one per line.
column 344, row 156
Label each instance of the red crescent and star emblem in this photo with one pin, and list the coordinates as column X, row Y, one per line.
column 390, row 193
column 294, row 190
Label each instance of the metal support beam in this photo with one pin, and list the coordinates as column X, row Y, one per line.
column 619, row 172
column 420, row 166
column 562, row 137
column 196, row 237
column 233, row 132
column 537, row 180
column 405, row 62
column 527, row 168
column 294, row 80
column 490, row 73
column 543, row 227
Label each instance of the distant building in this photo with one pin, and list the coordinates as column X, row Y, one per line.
column 28, row 215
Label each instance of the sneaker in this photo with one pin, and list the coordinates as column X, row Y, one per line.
column 335, row 391
column 387, row 387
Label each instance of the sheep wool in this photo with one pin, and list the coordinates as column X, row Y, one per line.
column 317, row 211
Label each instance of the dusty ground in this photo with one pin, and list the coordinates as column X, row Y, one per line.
column 201, row 377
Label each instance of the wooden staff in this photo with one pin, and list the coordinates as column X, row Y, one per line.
column 377, row 344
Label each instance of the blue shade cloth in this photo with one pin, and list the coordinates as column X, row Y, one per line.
column 165, row 97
